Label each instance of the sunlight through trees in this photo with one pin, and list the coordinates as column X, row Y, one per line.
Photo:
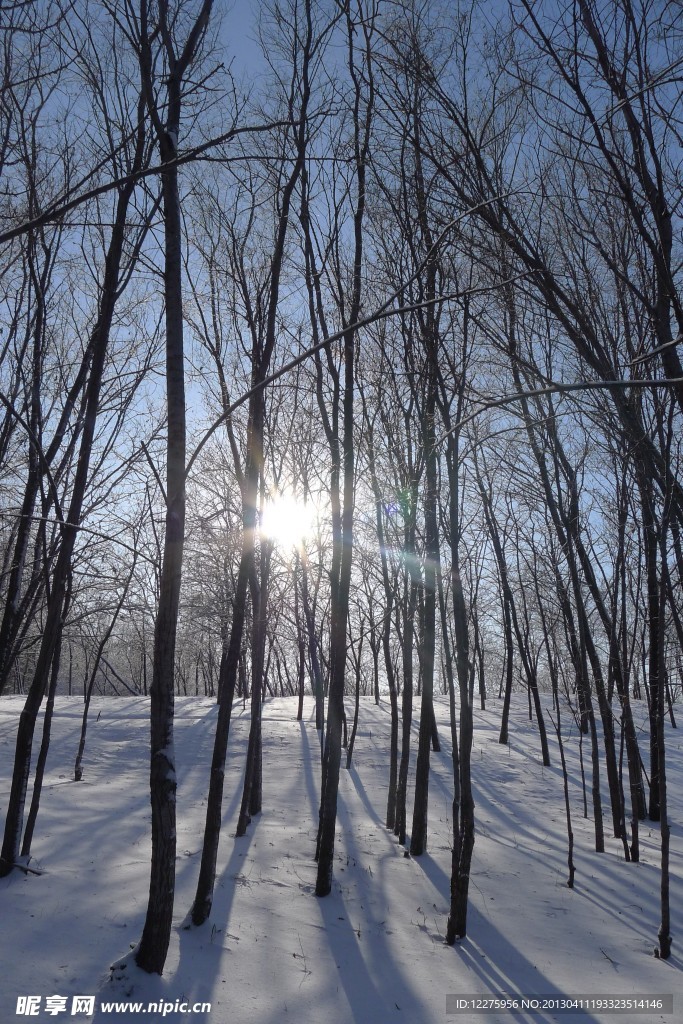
column 354, row 373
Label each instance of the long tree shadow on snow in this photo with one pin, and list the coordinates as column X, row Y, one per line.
column 209, row 944
column 200, row 949
column 309, row 760
column 369, row 973
column 496, row 963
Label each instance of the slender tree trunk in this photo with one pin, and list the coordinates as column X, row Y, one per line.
column 343, row 538
column 338, row 619
column 354, row 727
column 567, row 805
column 509, row 673
column 227, row 680
column 318, row 686
column 418, row 838
column 463, row 823
column 45, row 742
column 655, row 656
column 251, row 796
column 409, row 604
column 664, row 933
column 430, row 341
column 301, row 640
column 150, row 954
column 153, row 947
column 390, row 819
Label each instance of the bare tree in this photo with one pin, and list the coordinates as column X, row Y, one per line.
column 359, row 21
column 114, row 275
column 177, row 56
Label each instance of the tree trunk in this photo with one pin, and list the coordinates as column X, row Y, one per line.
column 409, row 604
column 45, row 742
column 343, row 535
column 151, row 952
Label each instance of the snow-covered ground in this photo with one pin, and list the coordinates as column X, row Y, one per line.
column 373, row 951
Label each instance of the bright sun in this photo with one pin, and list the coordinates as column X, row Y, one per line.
column 287, row 521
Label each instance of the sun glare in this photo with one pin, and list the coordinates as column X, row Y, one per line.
column 287, row 521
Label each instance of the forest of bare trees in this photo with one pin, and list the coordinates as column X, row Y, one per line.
column 352, row 371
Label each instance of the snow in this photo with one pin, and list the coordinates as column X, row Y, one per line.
column 373, row 950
